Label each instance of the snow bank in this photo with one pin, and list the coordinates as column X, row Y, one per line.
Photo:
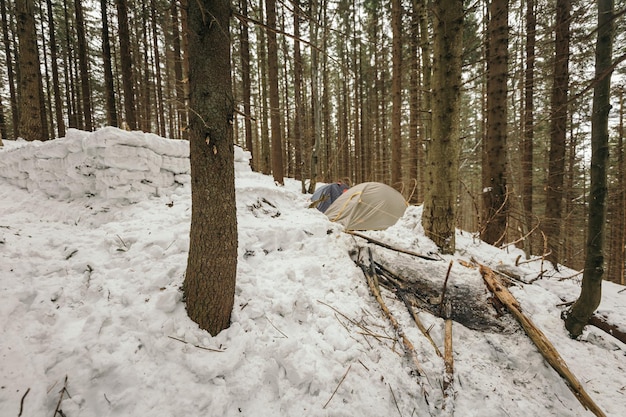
column 112, row 163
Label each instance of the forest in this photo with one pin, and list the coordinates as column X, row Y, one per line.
column 325, row 90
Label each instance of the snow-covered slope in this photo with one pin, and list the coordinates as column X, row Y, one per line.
column 90, row 281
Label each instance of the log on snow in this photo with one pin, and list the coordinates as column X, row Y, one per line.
column 546, row 348
column 602, row 324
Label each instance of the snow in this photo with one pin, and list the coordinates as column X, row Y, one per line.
column 93, row 244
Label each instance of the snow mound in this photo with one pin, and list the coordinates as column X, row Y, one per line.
column 110, row 162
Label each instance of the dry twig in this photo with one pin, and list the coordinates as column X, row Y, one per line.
column 338, row 385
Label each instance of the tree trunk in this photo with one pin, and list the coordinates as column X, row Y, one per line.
column 126, row 62
column 181, row 109
column 58, row 106
column 556, row 164
column 212, row 264
column 83, row 65
column 315, row 101
column 109, row 89
column 494, row 184
column 297, row 92
column 426, row 119
column 443, row 153
column 10, row 71
column 396, row 95
column 272, row 67
column 31, row 119
column 591, row 293
column 157, row 69
column 245, row 78
column 529, row 125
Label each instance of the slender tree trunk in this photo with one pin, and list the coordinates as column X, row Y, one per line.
column 396, row 94
column 109, row 88
column 591, row 292
column 414, row 102
column 494, row 184
column 58, row 105
column 157, row 70
column 84, row 65
column 426, row 99
column 10, row 71
column 558, row 129
column 315, row 101
column 529, row 125
column 272, row 61
column 126, row 62
column 212, row 263
column 443, row 153
column 245, row 78
column 297, row 92
column 265, row 162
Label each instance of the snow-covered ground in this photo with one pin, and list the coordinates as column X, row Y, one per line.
column 93, row 246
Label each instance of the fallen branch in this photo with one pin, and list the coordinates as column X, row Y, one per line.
column 372, row 281
column 601, row 323
column 386, row 246
column 546, row 348
column 196, row 346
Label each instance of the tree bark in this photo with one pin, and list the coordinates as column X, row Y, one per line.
column 591, row 293
column 83, row 65
column 109, row 88
column 556, row 164
column 126, row 62
column 272, row 67
column 494, row 184
column 396, row 95
column 443, row 152
column 529, row 125
column 10, row 70
column 31, row 112
column 245, row 79
column 212, row 264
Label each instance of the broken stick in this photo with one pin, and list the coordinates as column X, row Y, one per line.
column 546, row 348
column 386, row 246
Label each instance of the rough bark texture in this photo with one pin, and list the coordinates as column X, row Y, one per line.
column 495, row 205
column 31, row 125
column 212, row 265
column 443, row 151
column 591, row 293
column 556, row 164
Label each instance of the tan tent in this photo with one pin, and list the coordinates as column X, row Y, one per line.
column 367, row 206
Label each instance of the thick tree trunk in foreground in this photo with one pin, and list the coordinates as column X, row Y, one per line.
column 32, row 124
column 495, row 204
column 443, row 152
column 212, row 264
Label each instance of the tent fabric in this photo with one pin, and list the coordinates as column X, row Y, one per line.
column 368, row 206
column 324, row 196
